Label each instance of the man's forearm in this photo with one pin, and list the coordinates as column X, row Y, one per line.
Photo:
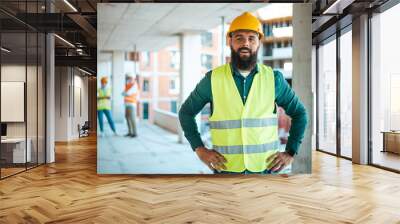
column 296, row 132
column 189, row 127
column 197, row 99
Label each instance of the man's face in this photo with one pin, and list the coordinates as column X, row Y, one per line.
column 244, row 47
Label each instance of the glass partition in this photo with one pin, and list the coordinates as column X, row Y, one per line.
column 385, row 89
column 22, row 64
column 13, row 92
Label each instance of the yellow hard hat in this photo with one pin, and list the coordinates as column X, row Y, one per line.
column 246, row 21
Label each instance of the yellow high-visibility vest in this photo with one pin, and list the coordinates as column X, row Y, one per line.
column 246, row 135
column 103, row 104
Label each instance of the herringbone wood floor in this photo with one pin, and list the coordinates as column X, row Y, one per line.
column 70, row 191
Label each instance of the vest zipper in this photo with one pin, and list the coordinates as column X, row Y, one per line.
column 244, row 91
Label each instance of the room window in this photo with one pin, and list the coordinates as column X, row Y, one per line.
column 327, row 97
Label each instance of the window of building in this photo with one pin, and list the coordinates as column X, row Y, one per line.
column 267, row 30
column 145, row 58
column 173, row 106
column 268, row 49
column 145, row 110
column 206, row 39
column 281, row 64
column 206, row 61
column 174, row 86
column 146, row 85
column 175, row 59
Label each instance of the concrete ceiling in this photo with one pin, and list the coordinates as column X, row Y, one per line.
column 151, row 26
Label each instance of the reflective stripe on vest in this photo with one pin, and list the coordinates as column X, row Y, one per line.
column 246, row 135
column 252, row 122
column 239, row 149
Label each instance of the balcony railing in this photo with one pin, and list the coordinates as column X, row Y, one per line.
column 280, row 53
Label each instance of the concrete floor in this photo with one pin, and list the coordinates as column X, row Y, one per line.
column 154, row 151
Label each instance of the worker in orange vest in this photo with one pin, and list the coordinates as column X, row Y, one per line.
column 131, row 94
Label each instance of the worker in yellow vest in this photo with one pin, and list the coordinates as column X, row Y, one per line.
column 243, row 122
column 104, row 105
column 131, row 94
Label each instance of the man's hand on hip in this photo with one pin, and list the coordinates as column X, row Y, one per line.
column 212, row 158
column 279, row 161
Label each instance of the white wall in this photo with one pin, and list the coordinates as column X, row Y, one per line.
column 80, row 100
column 70, row 84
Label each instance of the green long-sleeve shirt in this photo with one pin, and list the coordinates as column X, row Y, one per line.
column 284, row 97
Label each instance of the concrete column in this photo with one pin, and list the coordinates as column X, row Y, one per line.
column 302, row 78
column 190, row 70
column 117, row 84
column 360, row 90
column 50, row 98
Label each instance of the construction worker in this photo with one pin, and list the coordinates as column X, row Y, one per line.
column 243, row 96
column 104, row 105
column 131, row 94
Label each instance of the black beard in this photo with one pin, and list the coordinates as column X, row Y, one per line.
column 246, row 63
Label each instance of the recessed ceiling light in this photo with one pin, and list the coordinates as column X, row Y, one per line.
column 70, row 5
column 86, row 72
column 64, row 40
column 5, row 50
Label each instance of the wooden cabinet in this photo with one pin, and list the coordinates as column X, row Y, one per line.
column 391, row 142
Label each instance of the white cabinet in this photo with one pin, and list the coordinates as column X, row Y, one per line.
column 18, row 149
